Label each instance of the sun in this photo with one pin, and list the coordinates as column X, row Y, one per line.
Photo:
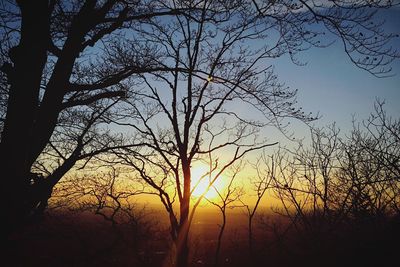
column 201, row 181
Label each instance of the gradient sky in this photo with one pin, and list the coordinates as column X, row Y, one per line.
column 331, row 85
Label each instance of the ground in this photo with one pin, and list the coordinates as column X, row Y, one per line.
column 88, row 240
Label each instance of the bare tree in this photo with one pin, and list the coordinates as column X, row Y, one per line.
column 260, row 184
column 189, row 113
column 338, row 179
column 107, row 193
column 371, row 166
column 227, row 197
column 383, row 146
column 80, row 136
column 218, row 55
column 58, row 56
column 110, row 194
column 305, row 182
column 337, row 188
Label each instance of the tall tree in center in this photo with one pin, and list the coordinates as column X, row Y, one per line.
column 220, row 91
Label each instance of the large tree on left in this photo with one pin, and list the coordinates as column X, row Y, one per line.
column 56, row 57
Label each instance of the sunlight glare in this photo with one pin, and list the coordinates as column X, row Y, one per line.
column 202, row 185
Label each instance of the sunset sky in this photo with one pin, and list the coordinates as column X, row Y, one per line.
column 330, row 85
column 211, row 133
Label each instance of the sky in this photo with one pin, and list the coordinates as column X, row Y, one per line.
column 333, row 86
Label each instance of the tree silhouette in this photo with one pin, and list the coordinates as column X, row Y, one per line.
column 59, row 56
column 227, row 197
column 196, row 83
column 260, row 184
column 339, row 187
column 116, row 224
column 80, row 136
column 190, row 114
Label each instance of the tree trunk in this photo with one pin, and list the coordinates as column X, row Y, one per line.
column 28, row 126
column 250, row 234
column 219, row 242
column 24, row 76
column 182, row 248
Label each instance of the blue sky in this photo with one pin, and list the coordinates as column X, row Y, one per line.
column 331, row 85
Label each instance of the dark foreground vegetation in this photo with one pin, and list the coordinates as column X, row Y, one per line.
column 84, row 240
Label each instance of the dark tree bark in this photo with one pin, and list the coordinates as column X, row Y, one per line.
column 44, row 80
column 24, row 75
